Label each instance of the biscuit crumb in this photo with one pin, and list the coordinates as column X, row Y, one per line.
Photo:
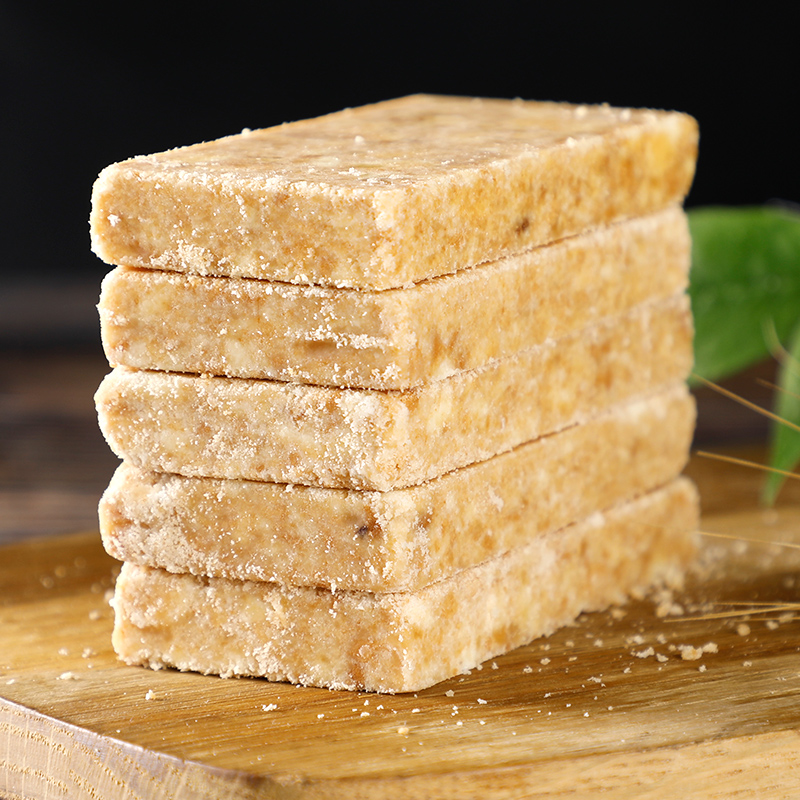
column 689, row 653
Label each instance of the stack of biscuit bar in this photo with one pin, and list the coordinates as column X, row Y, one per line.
column 397, row 389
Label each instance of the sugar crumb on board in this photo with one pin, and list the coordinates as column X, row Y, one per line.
column 690, row 653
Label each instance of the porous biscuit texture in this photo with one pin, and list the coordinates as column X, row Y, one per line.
column 405, row 641
column 394, row 339
column 393, row 193
column 404, row 539
column 363, row 439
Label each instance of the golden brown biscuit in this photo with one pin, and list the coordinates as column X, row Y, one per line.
column 402, row 642
column 393, row 339
column 364, row 439
column 391, row 193
column 403, row 539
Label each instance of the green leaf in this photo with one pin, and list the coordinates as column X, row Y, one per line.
column 745, row 284
column 785, row 439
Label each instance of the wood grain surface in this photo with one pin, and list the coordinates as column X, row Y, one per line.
column 657, row 699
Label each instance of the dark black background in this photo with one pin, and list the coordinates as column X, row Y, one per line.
column 83, row 86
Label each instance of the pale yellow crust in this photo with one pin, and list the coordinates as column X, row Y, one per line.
column 394, row 339
column 265, row 430
column 392, row 193
column 401, row 642
column 403, row 539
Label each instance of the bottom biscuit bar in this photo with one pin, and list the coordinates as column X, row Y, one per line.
column 404, row 641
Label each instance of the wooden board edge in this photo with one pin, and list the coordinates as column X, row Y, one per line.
column 764, row 765
column 45, row 757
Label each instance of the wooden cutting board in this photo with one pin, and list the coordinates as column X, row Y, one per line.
column 611, row 703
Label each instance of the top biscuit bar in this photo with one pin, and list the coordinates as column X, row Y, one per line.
column 393, row 193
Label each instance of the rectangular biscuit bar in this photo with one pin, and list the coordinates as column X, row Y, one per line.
column 285, row 433
column 392, row 193
column 394, row 339
column 404, row 641
column 404, row 539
